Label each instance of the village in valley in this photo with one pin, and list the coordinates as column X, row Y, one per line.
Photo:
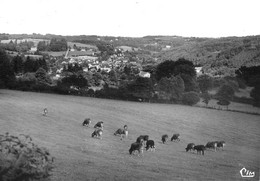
column 86, row 56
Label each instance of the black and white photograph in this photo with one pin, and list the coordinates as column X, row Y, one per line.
column 129, row 90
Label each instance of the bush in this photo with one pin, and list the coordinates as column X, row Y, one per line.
column 22, row 160
column 190, row 98
column 223, row 102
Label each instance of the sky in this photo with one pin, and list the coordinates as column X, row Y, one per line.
column 131, row 18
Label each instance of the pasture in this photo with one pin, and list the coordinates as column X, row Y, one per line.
column 80, row 157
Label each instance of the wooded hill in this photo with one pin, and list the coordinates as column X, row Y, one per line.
column 217, row 56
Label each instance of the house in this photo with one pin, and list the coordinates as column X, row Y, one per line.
column 33, row 49
column 198, row 70
column 144, row 74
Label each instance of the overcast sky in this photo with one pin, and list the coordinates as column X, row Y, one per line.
column 134, row 18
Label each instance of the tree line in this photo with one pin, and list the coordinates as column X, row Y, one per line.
column 170, row 81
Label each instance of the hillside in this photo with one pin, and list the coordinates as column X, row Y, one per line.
column 217, row 56
column 80, row 157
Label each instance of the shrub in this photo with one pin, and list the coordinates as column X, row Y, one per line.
column 22, row 160
column 223, row 102
column 190, row 98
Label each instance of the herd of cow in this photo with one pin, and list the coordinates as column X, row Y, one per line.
column 143, row 140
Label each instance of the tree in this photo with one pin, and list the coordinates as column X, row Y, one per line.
column 225, row 92
column 42, row 77
column 205, row 82
column 58, row 45
column 17, row 64
column 205, row 98
column 43, row 64
column 141, row 88
column 6, row 71
column 190, row 83
column 42, row 46
column 97, row 77
column 113, row 76
column 249, row 74
column 165, row 69
column 190, row 98
column 183, row 66
column 171, row 88
column 74, row 80
column 255, row 94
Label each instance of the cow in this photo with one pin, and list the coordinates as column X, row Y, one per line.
column 122, row 132
column 99, row 125
column 175, row 137
column 97, row 133
column 150, row 145
column 212, row 145
column 200, row 149
column 86, row 122
column 190, row 146
column 142, row 138
column 45, row 111
column 221, row 144
column 164, row 138
column 136, row 147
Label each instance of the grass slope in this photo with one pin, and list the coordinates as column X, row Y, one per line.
column 80, row 157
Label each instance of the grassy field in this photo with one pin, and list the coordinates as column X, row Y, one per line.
column 80, row 157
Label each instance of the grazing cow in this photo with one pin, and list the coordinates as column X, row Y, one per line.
column 221, row 144
column 86, row 122
column 99, row 125
column 190, row 146
column 200, row 148
column 136, row 147
column 175, row 137
column 164, row 138
column 212, row 145
column 97, row 133
column 143, row 138
column 45, row 111
column 150, row 144
column 122, row 132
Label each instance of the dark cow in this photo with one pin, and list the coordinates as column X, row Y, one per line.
column 200, row 149
column 86, row 122
column 175, row 137
column 150, row 145
column 122, row 132
column 221, row 144
column 190, row 146
column 145, row 138
column 211, row 145
column 99, row 125
column 136, row 147
column 97, row 133
column 164, row 138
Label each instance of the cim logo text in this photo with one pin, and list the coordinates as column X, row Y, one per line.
column 246, row 173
